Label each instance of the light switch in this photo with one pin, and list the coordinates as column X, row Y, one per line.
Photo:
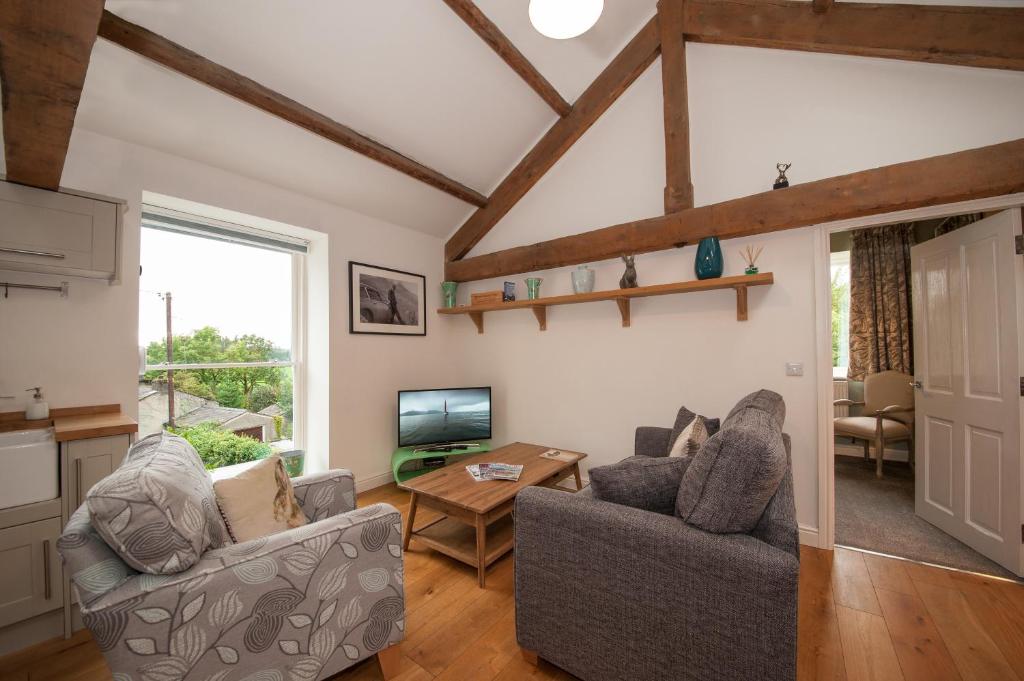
column 794, row 368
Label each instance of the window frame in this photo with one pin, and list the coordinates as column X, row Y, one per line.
column 298, row 350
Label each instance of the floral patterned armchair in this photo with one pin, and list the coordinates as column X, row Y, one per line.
column 299, row 605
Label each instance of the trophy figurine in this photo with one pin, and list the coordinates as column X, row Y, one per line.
column 781, row 181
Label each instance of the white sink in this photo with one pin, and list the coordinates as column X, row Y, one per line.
column 28, row 467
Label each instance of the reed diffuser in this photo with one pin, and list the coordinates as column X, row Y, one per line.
column 750, row 256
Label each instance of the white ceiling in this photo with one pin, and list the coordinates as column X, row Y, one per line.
column 406, row 72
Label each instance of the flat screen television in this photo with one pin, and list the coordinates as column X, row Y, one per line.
column 443, row 416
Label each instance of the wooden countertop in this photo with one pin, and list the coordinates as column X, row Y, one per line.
column 75, row 423
column 92, row 425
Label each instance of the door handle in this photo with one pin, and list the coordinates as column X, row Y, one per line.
column 917, row 385
column 26, row 251
column 47, row 589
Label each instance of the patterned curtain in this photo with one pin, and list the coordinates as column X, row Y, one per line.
column 880, row 324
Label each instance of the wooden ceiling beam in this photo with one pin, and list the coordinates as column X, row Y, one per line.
column 186, row 62
column 990, row 37
column 678, row 183
column 977, row 173
column 45, row 46
column 510, row 54
column 606, row 88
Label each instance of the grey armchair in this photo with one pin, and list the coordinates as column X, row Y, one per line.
column 610, row 592
column 302, row 604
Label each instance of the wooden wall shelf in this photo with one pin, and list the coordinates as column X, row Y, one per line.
column 621, row 298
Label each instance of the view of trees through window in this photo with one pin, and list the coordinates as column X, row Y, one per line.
column 840, row 270
column 227, row 385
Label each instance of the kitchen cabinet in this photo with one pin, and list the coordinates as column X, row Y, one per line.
column 59, row 233
column 33, row 583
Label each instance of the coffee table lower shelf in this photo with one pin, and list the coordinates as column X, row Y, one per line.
column 457, row 540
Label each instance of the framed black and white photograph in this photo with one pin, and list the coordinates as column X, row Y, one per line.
column 386, row 301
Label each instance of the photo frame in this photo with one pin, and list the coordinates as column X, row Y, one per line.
column 385, row 301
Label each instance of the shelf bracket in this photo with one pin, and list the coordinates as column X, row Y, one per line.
column 541, row 313
column 623, row 304
column 741, row 302
column 478, row 319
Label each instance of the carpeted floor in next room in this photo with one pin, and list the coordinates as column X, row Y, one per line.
column 878, row 515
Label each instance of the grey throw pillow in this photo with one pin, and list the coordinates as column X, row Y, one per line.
column 648, row 483
column 734, row 475
column 767, row 401
column 157, row 511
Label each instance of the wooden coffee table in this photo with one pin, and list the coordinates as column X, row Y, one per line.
column 484, row 506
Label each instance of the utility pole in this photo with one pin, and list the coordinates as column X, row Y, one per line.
column 170, row 360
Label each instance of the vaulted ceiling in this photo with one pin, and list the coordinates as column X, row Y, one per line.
column 408, row 73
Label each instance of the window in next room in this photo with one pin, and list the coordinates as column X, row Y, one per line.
column 840, row 261
column 225, row 296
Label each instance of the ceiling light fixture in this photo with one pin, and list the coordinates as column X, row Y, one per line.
column 563, row 19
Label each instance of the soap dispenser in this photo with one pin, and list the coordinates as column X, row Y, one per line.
column 37, row 409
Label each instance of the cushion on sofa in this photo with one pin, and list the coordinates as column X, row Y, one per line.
column 763, row 400
column 642, row 482
column 734, row 475
column 259, row 501
column 691, row 439
column 684, row 417
column 158, row 510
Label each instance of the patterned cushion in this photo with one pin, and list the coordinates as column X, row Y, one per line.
column 691, row 439
column 642, row 482
column 258, row 501
column 734, row 475
column 158, row 510
column 763, row 400
column 684, row 417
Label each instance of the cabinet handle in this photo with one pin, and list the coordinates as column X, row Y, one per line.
column 47, row 590
column 78, row 485
column 25, row 251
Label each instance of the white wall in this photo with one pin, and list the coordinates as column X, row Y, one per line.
column 586, row 383
column 83, row 350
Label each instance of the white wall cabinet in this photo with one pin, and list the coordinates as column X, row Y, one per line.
column 59, row 233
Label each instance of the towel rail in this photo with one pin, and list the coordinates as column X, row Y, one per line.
column 62, row 289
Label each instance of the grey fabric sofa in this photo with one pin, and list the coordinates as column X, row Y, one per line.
column 301, row 605
column 611, row 592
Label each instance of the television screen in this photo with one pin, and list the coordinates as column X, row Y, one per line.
column 427, row 417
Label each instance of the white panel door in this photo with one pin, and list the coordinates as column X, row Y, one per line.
column 967, row 327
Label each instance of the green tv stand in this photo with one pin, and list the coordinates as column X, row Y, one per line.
column 407, row 455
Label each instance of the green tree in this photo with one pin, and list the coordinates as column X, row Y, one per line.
column 840, row 294
column 261, row 397
column 218, row 447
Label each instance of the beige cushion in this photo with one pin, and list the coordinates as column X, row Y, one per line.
column 865, row 427
column 259, row 501
column 691, row 439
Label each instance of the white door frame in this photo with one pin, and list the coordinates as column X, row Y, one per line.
column 823, row 326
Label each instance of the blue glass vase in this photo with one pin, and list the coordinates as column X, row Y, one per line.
column 709, row 262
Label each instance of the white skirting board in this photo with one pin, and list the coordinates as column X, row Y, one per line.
column 374, row 482
column 809, row 536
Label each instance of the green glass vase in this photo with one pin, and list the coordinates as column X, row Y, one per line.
column 709, row 263
column 448, row 291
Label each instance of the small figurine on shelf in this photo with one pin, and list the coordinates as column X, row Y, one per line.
column 750, row 255
column 781, row 181
column 628, row 279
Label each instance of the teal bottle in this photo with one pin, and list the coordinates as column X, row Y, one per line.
column 709, row 262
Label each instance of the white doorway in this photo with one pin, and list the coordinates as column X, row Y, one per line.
column 993, row 458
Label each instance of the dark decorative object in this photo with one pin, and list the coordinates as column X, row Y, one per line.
column 628, row 279
column 781, row 181
column 389, row 302
column 709, row 263
column 509, row 293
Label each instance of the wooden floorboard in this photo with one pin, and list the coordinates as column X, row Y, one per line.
column 860, row 616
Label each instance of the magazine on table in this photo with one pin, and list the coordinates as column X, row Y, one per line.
column 494, row 471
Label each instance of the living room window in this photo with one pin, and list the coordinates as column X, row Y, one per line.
column 228, row 297
column 840, row 270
